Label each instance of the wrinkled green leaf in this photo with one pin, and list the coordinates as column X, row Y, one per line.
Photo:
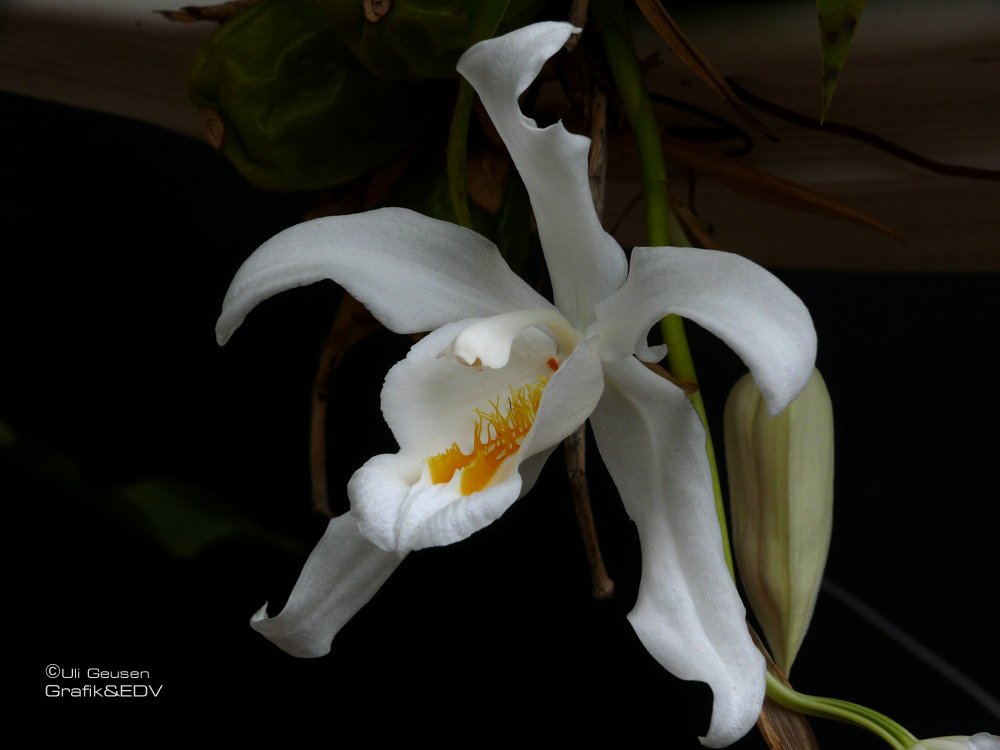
column 286, row 102
column 185, row 520
column 416, row 39
column 838, row 20
column 181, row 519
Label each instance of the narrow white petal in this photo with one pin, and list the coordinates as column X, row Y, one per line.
column 397, row 505
column 584, row 262
column 341, row 575
column 688, row 613
column 746, row 306
column 412, row 272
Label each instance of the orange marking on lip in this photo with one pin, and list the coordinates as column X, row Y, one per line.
column 496, row 437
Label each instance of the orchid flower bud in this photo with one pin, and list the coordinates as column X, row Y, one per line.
column 781, row 500
column 981, row 741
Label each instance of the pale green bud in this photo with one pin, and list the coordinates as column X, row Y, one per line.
column 981, row 741
column 781, row 501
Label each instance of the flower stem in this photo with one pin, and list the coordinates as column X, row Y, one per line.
column 488, row 15
column 576, row 467
column 625, row 70
column 661, row 225
column 458, row 136
column 878, row 724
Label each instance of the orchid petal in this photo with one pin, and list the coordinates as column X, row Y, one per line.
column 688, row 613
column 737, row 300
column 412, row 272
column 430, row 402
column 342, row 574
column 585, row 263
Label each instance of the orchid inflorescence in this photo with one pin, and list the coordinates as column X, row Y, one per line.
column 504, row 375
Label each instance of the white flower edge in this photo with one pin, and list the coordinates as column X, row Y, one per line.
column 585, row 263
column 413, row 273
column 321, row 604
column 980, row 741
column 688, row 613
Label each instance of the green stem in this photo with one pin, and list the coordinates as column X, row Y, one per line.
column 628, row 79
column 458, row 137
column 486, row 20
column 878, row 724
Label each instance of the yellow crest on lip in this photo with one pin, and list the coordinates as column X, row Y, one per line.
column 497, row 436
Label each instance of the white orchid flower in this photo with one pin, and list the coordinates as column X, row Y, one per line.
column 981, row 741
column 479, row 403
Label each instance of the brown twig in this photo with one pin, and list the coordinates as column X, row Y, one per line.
column 863, row 136
column 317, row 428
column 575, row 446
column 761, row 185
column 597, row 165
column 575, row 450
column 578, row 17
column 692, row 224
column 685, row 385
column 680, row 45
column 351, row 324
column 218, row 13
column 782, row 728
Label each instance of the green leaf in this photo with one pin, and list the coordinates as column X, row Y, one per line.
column 419, row 39
column 288, row 105
column 484, row 21
column 838, row 20
column 185, row 520
column 181, row 519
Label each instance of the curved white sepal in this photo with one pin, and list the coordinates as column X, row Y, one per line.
column 585, row 263
column 688, row 613
column 412, row 272
column 743, row 304
column 342, row 574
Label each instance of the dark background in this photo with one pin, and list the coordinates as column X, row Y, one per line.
column 119, row 243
